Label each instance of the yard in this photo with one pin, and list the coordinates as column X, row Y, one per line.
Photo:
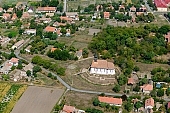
column 10, row 93
column 38, row 100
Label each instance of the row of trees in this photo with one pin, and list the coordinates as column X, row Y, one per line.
column 48, row 65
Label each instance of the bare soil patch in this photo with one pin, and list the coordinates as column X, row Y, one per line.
column 38, row 100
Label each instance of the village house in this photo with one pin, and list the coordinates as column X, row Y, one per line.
column 106, row 15
column 19, row 75
column 59, row 32
column 133, row 9
column 5, row 68
column 71, row 109
column 50, row 29
column 57, row 24
column 44, row 20
column 21, row 5
column 10, row 10
column 121, row 7
column 50, row 14
column 30, row 10
column 168, row 105
column 99, row 8
column 14, row 61
column 149, row 103
column 6, row 16
column 25, row 15
column 73, row 15
column 28, row 49
column 68, row 32
column 167, row 37
column 143, row 8
column 28, row 67
column 4, row 40
column 111, row 100
column 30, row 31
column 131, row 81
column 14, row 17
column 68, row 19
column 79, row 54
column 46, row 10
column 18, row 44
column 102, row 67
column 161, row 5
column 146, row 88
column 1, row 10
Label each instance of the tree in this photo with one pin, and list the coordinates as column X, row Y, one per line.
column 96, row 102
column 160, row 92
column 136, row 88
column 136, row 69
column 93, row 110
column 138, row 105
column 124, row 97
column 122, row 80
column 49, row 75
column 168, row 92
column 53, row 3
column 128, row 106
column 19, row 66
column 19, row 13
column 61, row 71
column 36, row 69
column 116, row 88
column 164, row 29
column 28, row 73
column 85, row 52
column 5, row 77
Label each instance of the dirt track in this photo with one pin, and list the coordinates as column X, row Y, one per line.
column 37, row 100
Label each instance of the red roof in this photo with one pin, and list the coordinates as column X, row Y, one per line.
column 68, row 109
column 50, row 29
column 110, row 100
column 168, row 106
column 106, row 14
column 161, row 3
column 147, row 87
column 131, row 81
column 149, row 102
column 102, row 64
column 14, row 60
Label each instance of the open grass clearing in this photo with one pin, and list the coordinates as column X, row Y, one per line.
column 38, row 100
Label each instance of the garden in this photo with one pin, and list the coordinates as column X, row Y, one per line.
column 10, row 93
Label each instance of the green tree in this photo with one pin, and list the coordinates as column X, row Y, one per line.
column 128, row 106
column 19, row 66
column 37, row 69
column 96, row 102
column 93, row 110
column 61, row 71
column 138, row 105
column 122, row 80
column 19, row 13
column 160, row 92
column 116, row 88
column 168, row 92
column 28, row 73
column 5, row 77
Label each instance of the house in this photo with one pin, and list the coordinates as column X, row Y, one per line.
column 1, row 10
column 14, row 61
column 111, row 100
column 161, row 5
column 147, row 88
column 68, row 19
column 106, row 15
column 19, row 75
column 10, row 10
column 25, row 15
column 4, row 40
column 68, row 109
column 30, row 31
column 21, row 5
column 18, row 44
column 6, row 16
column 59, row 32
column 28, row 67
column 73, row 15
column 139, row 13
column 50, row 14
column 168, row 105
column 14, row 17
column 46, row 10
column 53, row 49
column 28, row 49
column 149, row 103
column 30, row 10
column 57, row 24
column 167, row 37
column 133, row 9
column 121, row 7
column 131, row 81
column 5, row 68
column 99, row 7
column 50, row 29
column 102, row 67
column 45, row 20
column 79, row 54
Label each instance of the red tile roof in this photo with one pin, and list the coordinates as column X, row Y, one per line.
column 14, row 16
column 50, row 29
column 149, row 102
column 131, row 81
column 6, row 15
column 168, row 106
column 147, row 87
column 110, row 100
column 102, row 64
column 65, row 18
column 14, row 60
column 106, row 14
column 46, row 9
column 167, row 37
column 161, row 3
column 53, row 49
column 25, row 15
column 69, row 109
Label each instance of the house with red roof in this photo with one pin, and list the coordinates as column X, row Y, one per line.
column 50, row 29
column 168, row 105
column 46, row 9
column 149, row 103
column 131, row 81
column 167, row 37
column 102, row 67
column 146, row 88
column 133, row 9
column 14, row 61
column 106, row 15
column 6, row 16
column 71, row 109
column 111, row 100
column 25, row 15
column 162, row 5
column 14, row 17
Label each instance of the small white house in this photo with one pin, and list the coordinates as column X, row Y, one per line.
column 102, row 67
column 30, row 31
column 28, row 49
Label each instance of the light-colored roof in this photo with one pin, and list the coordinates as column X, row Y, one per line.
column 46, row 9
column 149, row 102
column 14, row 16
column 14, row 60
column 19, row 43
column 1, row 9
column 65, row 18
column 53, row 49
column 71, row 13
column 147, row 87
column 29, row 47
column 79, row 53
column 110, row 100
column 50, row 29
column 25, row 15
column 28, row 67
column 69, row 109
column 106, row 14
column 6, row 15
column 10, row 10
column 102, row 64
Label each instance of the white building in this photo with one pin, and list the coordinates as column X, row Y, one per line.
column 102, row 67
column 28, row 49
column 30, row 31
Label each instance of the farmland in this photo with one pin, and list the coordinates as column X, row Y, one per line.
column 38, row 100
column 10, row 93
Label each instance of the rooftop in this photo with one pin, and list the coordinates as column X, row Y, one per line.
column 102, row 64
column 110, row 100
column 149, row 102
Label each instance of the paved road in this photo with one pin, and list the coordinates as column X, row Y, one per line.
column 147, row 6
column 65, row 6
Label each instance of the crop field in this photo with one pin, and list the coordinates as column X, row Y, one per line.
column 38, row 100
column 9, row 95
